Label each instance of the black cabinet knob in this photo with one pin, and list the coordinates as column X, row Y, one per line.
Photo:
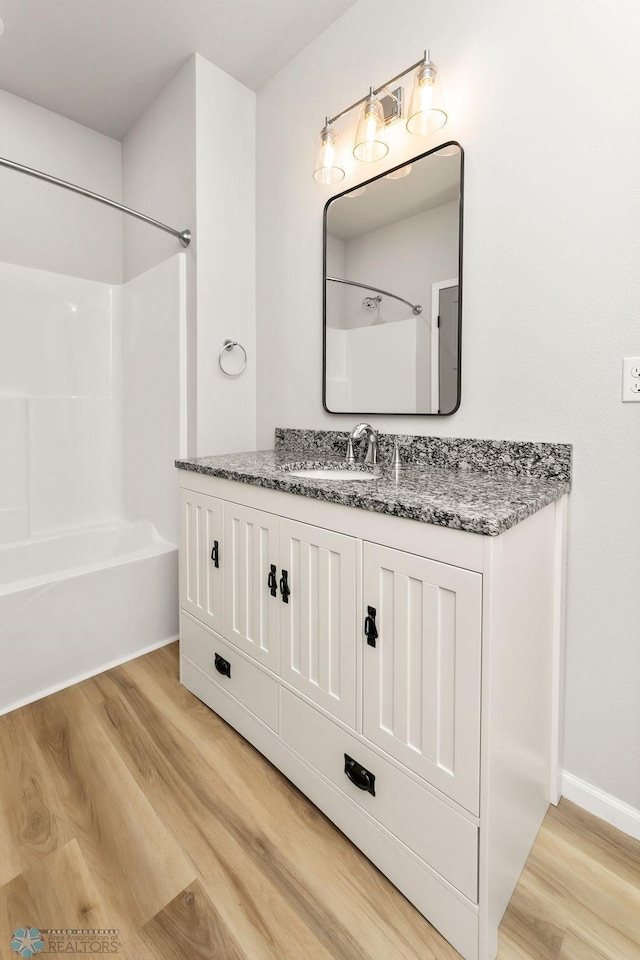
column 215, row 554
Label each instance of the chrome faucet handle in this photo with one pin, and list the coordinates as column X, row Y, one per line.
column 396, row 461
column 351, row 457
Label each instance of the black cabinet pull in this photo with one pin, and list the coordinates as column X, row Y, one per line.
column 215, row 554
column 272, row 581
column 222, row 666
column 284, row 586
column 362, row 778
column 370, row 629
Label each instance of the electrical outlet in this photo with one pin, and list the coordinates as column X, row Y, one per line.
column 631, row 379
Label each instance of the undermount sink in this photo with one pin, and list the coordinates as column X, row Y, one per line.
column 320, row 474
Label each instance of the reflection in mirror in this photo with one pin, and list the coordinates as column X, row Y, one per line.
column 393, row 258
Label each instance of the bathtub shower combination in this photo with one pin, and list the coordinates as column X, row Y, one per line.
column 90, row 402
column 73, row 604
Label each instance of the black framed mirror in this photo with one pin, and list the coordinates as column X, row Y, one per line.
column 392, row 305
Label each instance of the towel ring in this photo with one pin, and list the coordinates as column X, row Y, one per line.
column 229, row 345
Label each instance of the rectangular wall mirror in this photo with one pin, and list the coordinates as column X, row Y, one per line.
column 393, row 290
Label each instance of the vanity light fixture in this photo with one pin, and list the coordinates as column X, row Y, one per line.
column 426, row 112
column 371, row 137
column 381, row 107
column 327, row 170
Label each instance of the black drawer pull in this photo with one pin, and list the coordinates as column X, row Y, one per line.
column 284, row 586
column 215, row 554
column 272, row 581
column 370, row 629
column 223, row 666
column 362, row 778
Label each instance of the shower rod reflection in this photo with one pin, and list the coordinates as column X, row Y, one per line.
column 184, row 236
column 417, row 309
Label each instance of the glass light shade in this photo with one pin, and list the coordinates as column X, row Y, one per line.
column 327, row 169
column 371, row 135
column 400, row 173
column 426, row 112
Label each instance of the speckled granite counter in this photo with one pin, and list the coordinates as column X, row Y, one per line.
column 488, row 488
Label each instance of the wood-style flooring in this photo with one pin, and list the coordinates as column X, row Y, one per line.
column 126, row 803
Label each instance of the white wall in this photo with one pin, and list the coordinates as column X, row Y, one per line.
column 158, row 174
column 190, row 162
column 44, row 226
column 543, row 99
column 225, row 181
column 159, row 179
column 406, row 257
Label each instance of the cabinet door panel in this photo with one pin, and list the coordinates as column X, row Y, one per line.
column 251, row 612
column 319, row 622
column 421, row 696
column 201, row 582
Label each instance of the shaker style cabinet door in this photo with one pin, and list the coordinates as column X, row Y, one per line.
column 202, row 557
column 318, row 621
column 421, row 681
column 252, row 597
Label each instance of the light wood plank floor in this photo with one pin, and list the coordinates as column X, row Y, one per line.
column 125, row 803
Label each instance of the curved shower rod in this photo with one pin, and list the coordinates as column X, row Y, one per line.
column 417, row 309
column 184, row 236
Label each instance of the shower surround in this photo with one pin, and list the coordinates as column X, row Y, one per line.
column 91, row 392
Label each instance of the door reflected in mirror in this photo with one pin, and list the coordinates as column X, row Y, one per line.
column 392, row 290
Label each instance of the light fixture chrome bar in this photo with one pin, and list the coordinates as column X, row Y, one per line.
column 184, row 236
column 379, row 89
column 417, row 309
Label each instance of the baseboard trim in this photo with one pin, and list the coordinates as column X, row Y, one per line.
column 601, row 804
column 87, row 676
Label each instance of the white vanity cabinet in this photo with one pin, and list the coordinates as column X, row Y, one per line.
column 421, row 675
column 201, row 582
column 290, row 603
column 251, row 608
column 319, row 624
column 404, row 676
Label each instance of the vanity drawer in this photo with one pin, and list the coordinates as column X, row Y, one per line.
column 234, row 673
column 437, row 833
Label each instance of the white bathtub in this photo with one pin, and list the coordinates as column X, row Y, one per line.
column 76, row 604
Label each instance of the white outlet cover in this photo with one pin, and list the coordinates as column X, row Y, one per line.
column 630, row 371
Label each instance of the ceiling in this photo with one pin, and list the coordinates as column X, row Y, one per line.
column 432, row 181
column 102, row 62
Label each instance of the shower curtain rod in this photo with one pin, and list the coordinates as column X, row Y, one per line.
column 184, row 236
column 417, row 309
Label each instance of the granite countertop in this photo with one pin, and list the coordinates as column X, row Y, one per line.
column 459, row 495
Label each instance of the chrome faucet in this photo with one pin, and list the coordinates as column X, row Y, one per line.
column 372, row 450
